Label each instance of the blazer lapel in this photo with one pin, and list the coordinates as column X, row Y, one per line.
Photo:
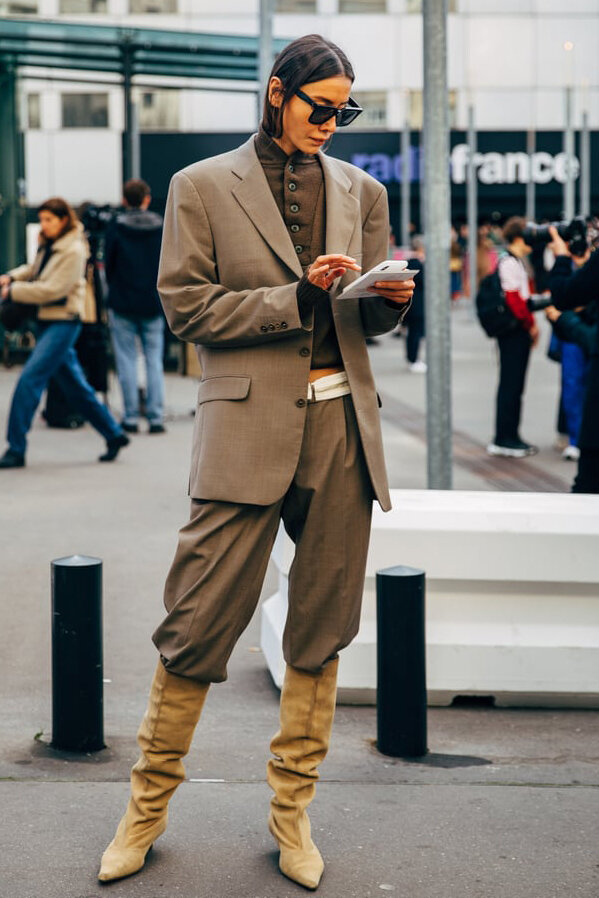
column 255, row 197
column 342, row 208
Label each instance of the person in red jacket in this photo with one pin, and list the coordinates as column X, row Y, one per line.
column 514, row 347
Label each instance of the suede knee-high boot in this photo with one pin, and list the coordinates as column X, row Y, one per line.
column 164, row 737
column 307, row 711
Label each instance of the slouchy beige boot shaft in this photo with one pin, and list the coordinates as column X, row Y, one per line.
column 307, row 711
column 164, row 737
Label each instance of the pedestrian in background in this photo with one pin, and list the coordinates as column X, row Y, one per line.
column 287, row 428
column 132, row 254
column 55, row 282
column 514, row 347
column 414, row 317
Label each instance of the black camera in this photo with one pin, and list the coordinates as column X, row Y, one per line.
column 537, row 303
column 95, row 219
column 574, row 233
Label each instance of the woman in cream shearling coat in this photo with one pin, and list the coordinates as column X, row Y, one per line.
column 55, row 283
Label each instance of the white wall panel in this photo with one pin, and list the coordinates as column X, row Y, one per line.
column 500, row 51
column 76, row 164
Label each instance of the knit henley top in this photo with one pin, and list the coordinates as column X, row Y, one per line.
column 297, row 185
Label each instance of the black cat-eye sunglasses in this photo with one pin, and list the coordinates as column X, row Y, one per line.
column 321, row 114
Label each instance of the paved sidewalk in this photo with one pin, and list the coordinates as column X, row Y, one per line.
column 505, row 805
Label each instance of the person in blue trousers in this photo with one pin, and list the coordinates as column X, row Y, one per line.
column 55, row 283
column 132, row 254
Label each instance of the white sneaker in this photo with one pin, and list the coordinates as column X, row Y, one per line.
column 571, row 453
column 506, row 451
column 418, row 367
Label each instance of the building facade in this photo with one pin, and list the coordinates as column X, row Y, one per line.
column 510, row 60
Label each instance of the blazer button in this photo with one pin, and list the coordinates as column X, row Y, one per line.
column 291, row 168
column 304, row 351
column 299, row 249
column 292, row 186
column 283, row 324
column 263, row 328
column 300, row 403
column 294, row 228
column 294, row 207
column 271, row 327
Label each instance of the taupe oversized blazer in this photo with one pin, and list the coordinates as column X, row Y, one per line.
column 227, row 279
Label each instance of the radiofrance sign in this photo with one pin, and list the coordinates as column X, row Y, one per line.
column 491, row 168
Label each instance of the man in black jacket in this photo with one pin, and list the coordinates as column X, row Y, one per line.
column 134, row 308
column 568, row 291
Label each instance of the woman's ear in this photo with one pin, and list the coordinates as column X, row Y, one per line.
column 275, row 92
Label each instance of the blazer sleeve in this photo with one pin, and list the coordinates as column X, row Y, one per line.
column 378, row 315
column 61, row 274
column 198, row 308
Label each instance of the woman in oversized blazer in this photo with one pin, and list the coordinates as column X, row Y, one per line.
column 257, row 245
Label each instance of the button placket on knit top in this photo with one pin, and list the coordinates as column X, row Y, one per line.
column 297, row 184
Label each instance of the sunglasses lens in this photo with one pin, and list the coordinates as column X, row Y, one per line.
column 347, row 116
column 322, row 114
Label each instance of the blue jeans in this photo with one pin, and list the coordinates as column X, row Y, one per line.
column 54, row 356
column 574, row 377
column 151, row 334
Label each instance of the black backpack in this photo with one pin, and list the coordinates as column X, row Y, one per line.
column 494, row 314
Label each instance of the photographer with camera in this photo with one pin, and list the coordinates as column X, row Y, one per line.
column 569, row 290
column 572, row 341
column 514, row 345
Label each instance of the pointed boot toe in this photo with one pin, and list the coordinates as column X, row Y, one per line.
column 120, row 862
column 303, row 867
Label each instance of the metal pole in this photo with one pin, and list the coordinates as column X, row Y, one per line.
column 585, row 166
column 531, row 148
column 569, row 151
column 77, row 684
column 437, row 222
column 265, row 54
column 406, row 175
column 128, row 151
column 12, row 211
column 134, row 138
column 472, row 188
column 401, row 662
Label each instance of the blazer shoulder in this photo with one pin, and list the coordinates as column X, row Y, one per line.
column 359, row 178
column 212, row 169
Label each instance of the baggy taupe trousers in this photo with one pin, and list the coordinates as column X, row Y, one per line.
column 216, row 577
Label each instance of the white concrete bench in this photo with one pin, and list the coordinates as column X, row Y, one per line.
column 512, row 596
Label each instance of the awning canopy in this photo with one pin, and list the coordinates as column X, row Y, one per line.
column 129, row 51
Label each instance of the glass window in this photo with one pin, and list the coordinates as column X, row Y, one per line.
column 416, row 108
column 34, row 116
column 85, row 110
column 349, row 6
column 74, row 6
column 158, row 110
column 152, row 6
column 305, row 6
column 374, row 104
column 18, row 7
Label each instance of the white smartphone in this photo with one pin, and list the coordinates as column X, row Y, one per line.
column 389, row 270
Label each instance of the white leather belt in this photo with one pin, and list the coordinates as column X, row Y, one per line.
column 328, row 387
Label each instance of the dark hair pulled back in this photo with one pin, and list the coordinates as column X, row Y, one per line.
column 59, row 207
column 307, row 59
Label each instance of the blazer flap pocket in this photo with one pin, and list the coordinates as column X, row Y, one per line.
column 229, row 386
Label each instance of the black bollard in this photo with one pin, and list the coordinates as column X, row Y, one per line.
column 77, row 681
column 401, row 662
